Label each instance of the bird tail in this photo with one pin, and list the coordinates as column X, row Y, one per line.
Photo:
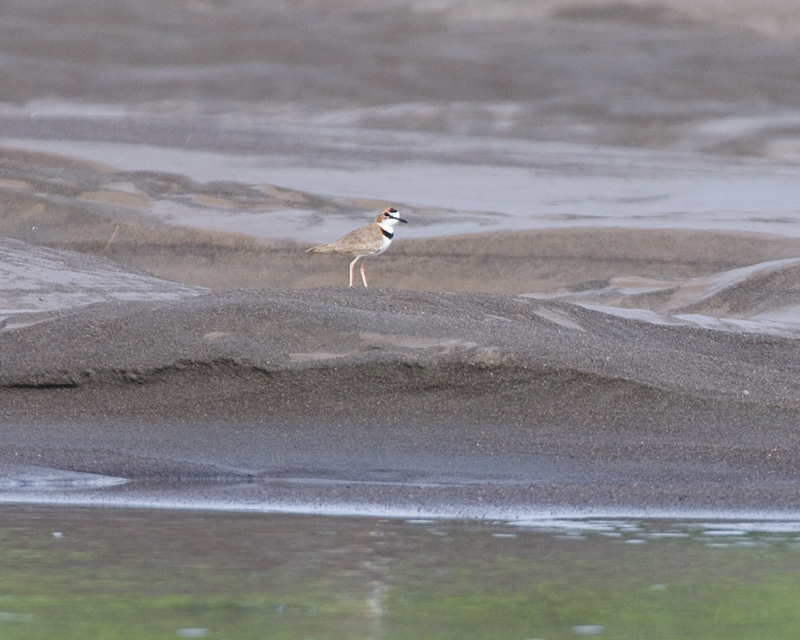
column 323, row 248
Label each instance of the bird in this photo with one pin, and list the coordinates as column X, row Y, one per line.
column 370, row 240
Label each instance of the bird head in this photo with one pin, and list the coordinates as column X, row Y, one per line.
column 389, row 217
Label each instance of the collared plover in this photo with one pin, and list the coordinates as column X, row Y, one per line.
column 370, row 240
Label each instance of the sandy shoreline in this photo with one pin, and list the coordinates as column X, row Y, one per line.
column 594, row 304
column 365, row 386
column 446, row 392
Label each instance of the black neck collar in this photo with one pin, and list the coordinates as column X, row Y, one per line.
column 388, row 234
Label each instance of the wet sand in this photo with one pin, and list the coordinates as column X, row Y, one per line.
column 539, row 337
column 466, row 398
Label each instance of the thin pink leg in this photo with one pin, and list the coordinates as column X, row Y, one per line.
column 353, row 264
column 363, row 275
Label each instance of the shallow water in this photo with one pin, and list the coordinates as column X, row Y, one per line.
column 491, row 496
column 150, row 573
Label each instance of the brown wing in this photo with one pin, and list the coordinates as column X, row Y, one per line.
column 362, row 240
